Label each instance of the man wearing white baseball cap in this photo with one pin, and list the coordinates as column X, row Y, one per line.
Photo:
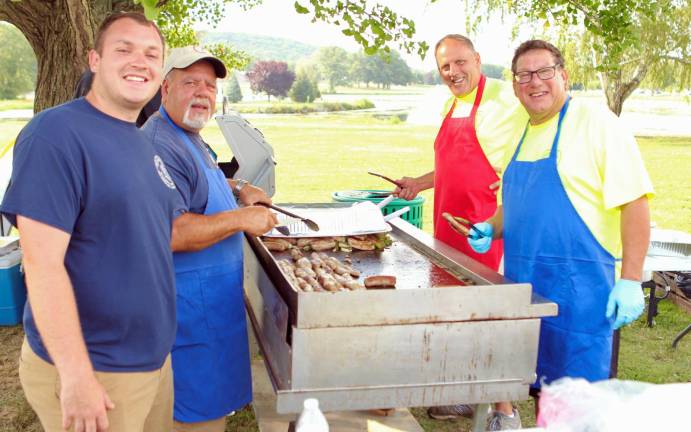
column 211, row 364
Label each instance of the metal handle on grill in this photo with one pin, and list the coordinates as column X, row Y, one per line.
column 383, row 203
column 397, row 213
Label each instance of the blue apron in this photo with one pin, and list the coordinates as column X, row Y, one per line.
column 211, row 361
column 547, row 244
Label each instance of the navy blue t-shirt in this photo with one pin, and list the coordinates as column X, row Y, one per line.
column 99, row 179
column 182, row 164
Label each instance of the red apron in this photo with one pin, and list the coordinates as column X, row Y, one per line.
column 462, row 176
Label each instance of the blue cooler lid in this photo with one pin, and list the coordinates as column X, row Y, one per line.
column 10, row 259
column 10, row 253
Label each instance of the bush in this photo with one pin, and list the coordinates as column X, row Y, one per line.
column 233, row 89
column 303, row 108
column 271, row 77
column 304, row 89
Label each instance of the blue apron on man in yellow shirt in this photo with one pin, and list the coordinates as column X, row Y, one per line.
column 547, row 244
column 210, row 357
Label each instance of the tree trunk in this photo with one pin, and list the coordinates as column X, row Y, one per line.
column 616, row 90
column 61, row 32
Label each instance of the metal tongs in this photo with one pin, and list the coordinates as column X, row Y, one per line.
column 458, row 223
column 283, row 229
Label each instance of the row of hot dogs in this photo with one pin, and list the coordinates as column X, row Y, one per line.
column 319, row 244
column 321, row 272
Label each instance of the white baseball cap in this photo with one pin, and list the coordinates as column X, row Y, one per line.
column 181, row 58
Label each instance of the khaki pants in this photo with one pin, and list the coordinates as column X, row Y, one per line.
column 218, row 425
column 143, row 400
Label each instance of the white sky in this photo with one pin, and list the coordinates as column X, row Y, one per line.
column 432, row 21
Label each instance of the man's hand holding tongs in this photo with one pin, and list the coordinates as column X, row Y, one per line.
column 479, row 235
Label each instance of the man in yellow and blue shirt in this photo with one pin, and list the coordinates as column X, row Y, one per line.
column 574, row 206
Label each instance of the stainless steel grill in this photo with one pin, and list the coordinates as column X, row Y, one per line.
column 452, row 331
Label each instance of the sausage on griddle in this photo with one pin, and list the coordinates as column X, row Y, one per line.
column 276, row 244
column 380, row 281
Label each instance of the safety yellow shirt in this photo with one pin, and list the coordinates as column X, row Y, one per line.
column 599, row 164
column 499, row 121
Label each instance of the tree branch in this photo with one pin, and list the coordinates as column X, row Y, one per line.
column 627, row 88
column 683, row 60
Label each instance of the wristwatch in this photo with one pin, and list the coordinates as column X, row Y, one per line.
column 239, row 184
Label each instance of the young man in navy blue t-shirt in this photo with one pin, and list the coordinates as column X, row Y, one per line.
column 94, row 205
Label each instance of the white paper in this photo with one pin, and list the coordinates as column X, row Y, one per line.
column 359, row 219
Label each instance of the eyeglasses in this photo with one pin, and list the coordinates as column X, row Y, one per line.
column 544, row 74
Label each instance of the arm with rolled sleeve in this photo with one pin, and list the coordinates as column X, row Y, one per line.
column 192, row 229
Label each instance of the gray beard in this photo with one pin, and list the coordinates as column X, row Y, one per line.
column 193, row 123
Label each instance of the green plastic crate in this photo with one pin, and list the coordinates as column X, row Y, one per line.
column 414, row 216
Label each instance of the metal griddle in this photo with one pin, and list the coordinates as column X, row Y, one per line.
column 412, row 270
column 452, row 331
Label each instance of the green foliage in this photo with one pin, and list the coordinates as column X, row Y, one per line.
column 619, row 42
column 375, row 27
column 150, row 9
column 233, row 92
column 17, row 63
column 232, row 58
column 304, row 89
column 431, row 77
column 372, row 25
column 302, row 108
column 176, row 20
column 383, row 70
column 612, row 21
column 177, row 17
column 333, row 64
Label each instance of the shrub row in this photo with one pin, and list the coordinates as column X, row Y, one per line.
column 302, row 108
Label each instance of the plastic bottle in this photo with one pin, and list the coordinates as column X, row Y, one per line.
column 311, row 419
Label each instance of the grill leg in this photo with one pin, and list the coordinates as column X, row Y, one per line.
column 652, row 302
column 480, row 417
column 614, row 362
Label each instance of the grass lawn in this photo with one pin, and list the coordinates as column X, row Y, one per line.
column 319, row 154
column 16, row 104
column 668, row 161
column 9, row 129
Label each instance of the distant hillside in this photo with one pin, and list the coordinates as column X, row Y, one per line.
column 264, row 47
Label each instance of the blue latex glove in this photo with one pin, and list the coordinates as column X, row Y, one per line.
column 626, row 301
column 481, row 244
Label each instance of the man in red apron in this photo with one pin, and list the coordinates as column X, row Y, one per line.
column 210, row 358
column 482, row 120
column 575, row 196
